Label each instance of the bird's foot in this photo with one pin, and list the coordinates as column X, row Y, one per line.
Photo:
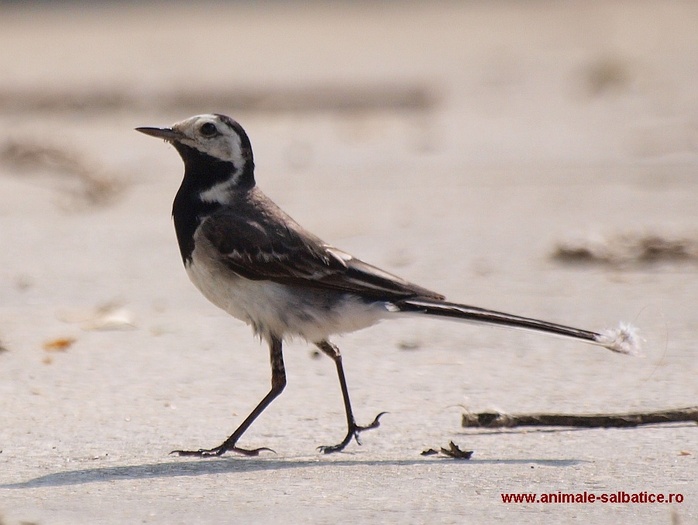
column 219, row 451
column 352, row 433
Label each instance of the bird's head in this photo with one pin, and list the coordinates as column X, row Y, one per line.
column 210, row 143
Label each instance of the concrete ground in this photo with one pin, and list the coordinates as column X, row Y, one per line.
column 455, row 144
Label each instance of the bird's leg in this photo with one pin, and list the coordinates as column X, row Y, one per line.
column 353, row 429
column 278, row 382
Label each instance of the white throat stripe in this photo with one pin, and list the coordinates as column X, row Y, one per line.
column 219, row 192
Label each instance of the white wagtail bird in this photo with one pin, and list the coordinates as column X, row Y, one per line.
column 255, row 262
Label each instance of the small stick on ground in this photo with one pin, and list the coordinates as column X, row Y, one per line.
column 632, row 419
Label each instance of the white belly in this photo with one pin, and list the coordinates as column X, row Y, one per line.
column 279, row 310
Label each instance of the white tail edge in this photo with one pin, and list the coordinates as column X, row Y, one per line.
column 624, row 339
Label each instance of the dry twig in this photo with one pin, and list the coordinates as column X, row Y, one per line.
column 632, row 419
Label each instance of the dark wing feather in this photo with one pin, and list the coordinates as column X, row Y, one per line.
column 280, row 251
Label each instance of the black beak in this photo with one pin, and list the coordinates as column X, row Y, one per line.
column 169, row 134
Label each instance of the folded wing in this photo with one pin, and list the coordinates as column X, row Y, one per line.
column 273, row 251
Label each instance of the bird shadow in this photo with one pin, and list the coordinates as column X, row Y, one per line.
column 185, row 468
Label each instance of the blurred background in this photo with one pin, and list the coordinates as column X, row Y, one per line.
column 536, row 157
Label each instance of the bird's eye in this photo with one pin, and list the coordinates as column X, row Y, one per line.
column 208, row 129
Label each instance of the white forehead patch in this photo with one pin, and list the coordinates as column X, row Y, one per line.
column 224, row 145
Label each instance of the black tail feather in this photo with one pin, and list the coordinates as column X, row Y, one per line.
column 481, row 315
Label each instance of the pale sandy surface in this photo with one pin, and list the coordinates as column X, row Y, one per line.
column 518, row 127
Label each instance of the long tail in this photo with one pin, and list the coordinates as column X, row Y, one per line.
column 623, row 339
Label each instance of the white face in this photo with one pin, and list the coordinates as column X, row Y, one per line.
column 210, row 135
